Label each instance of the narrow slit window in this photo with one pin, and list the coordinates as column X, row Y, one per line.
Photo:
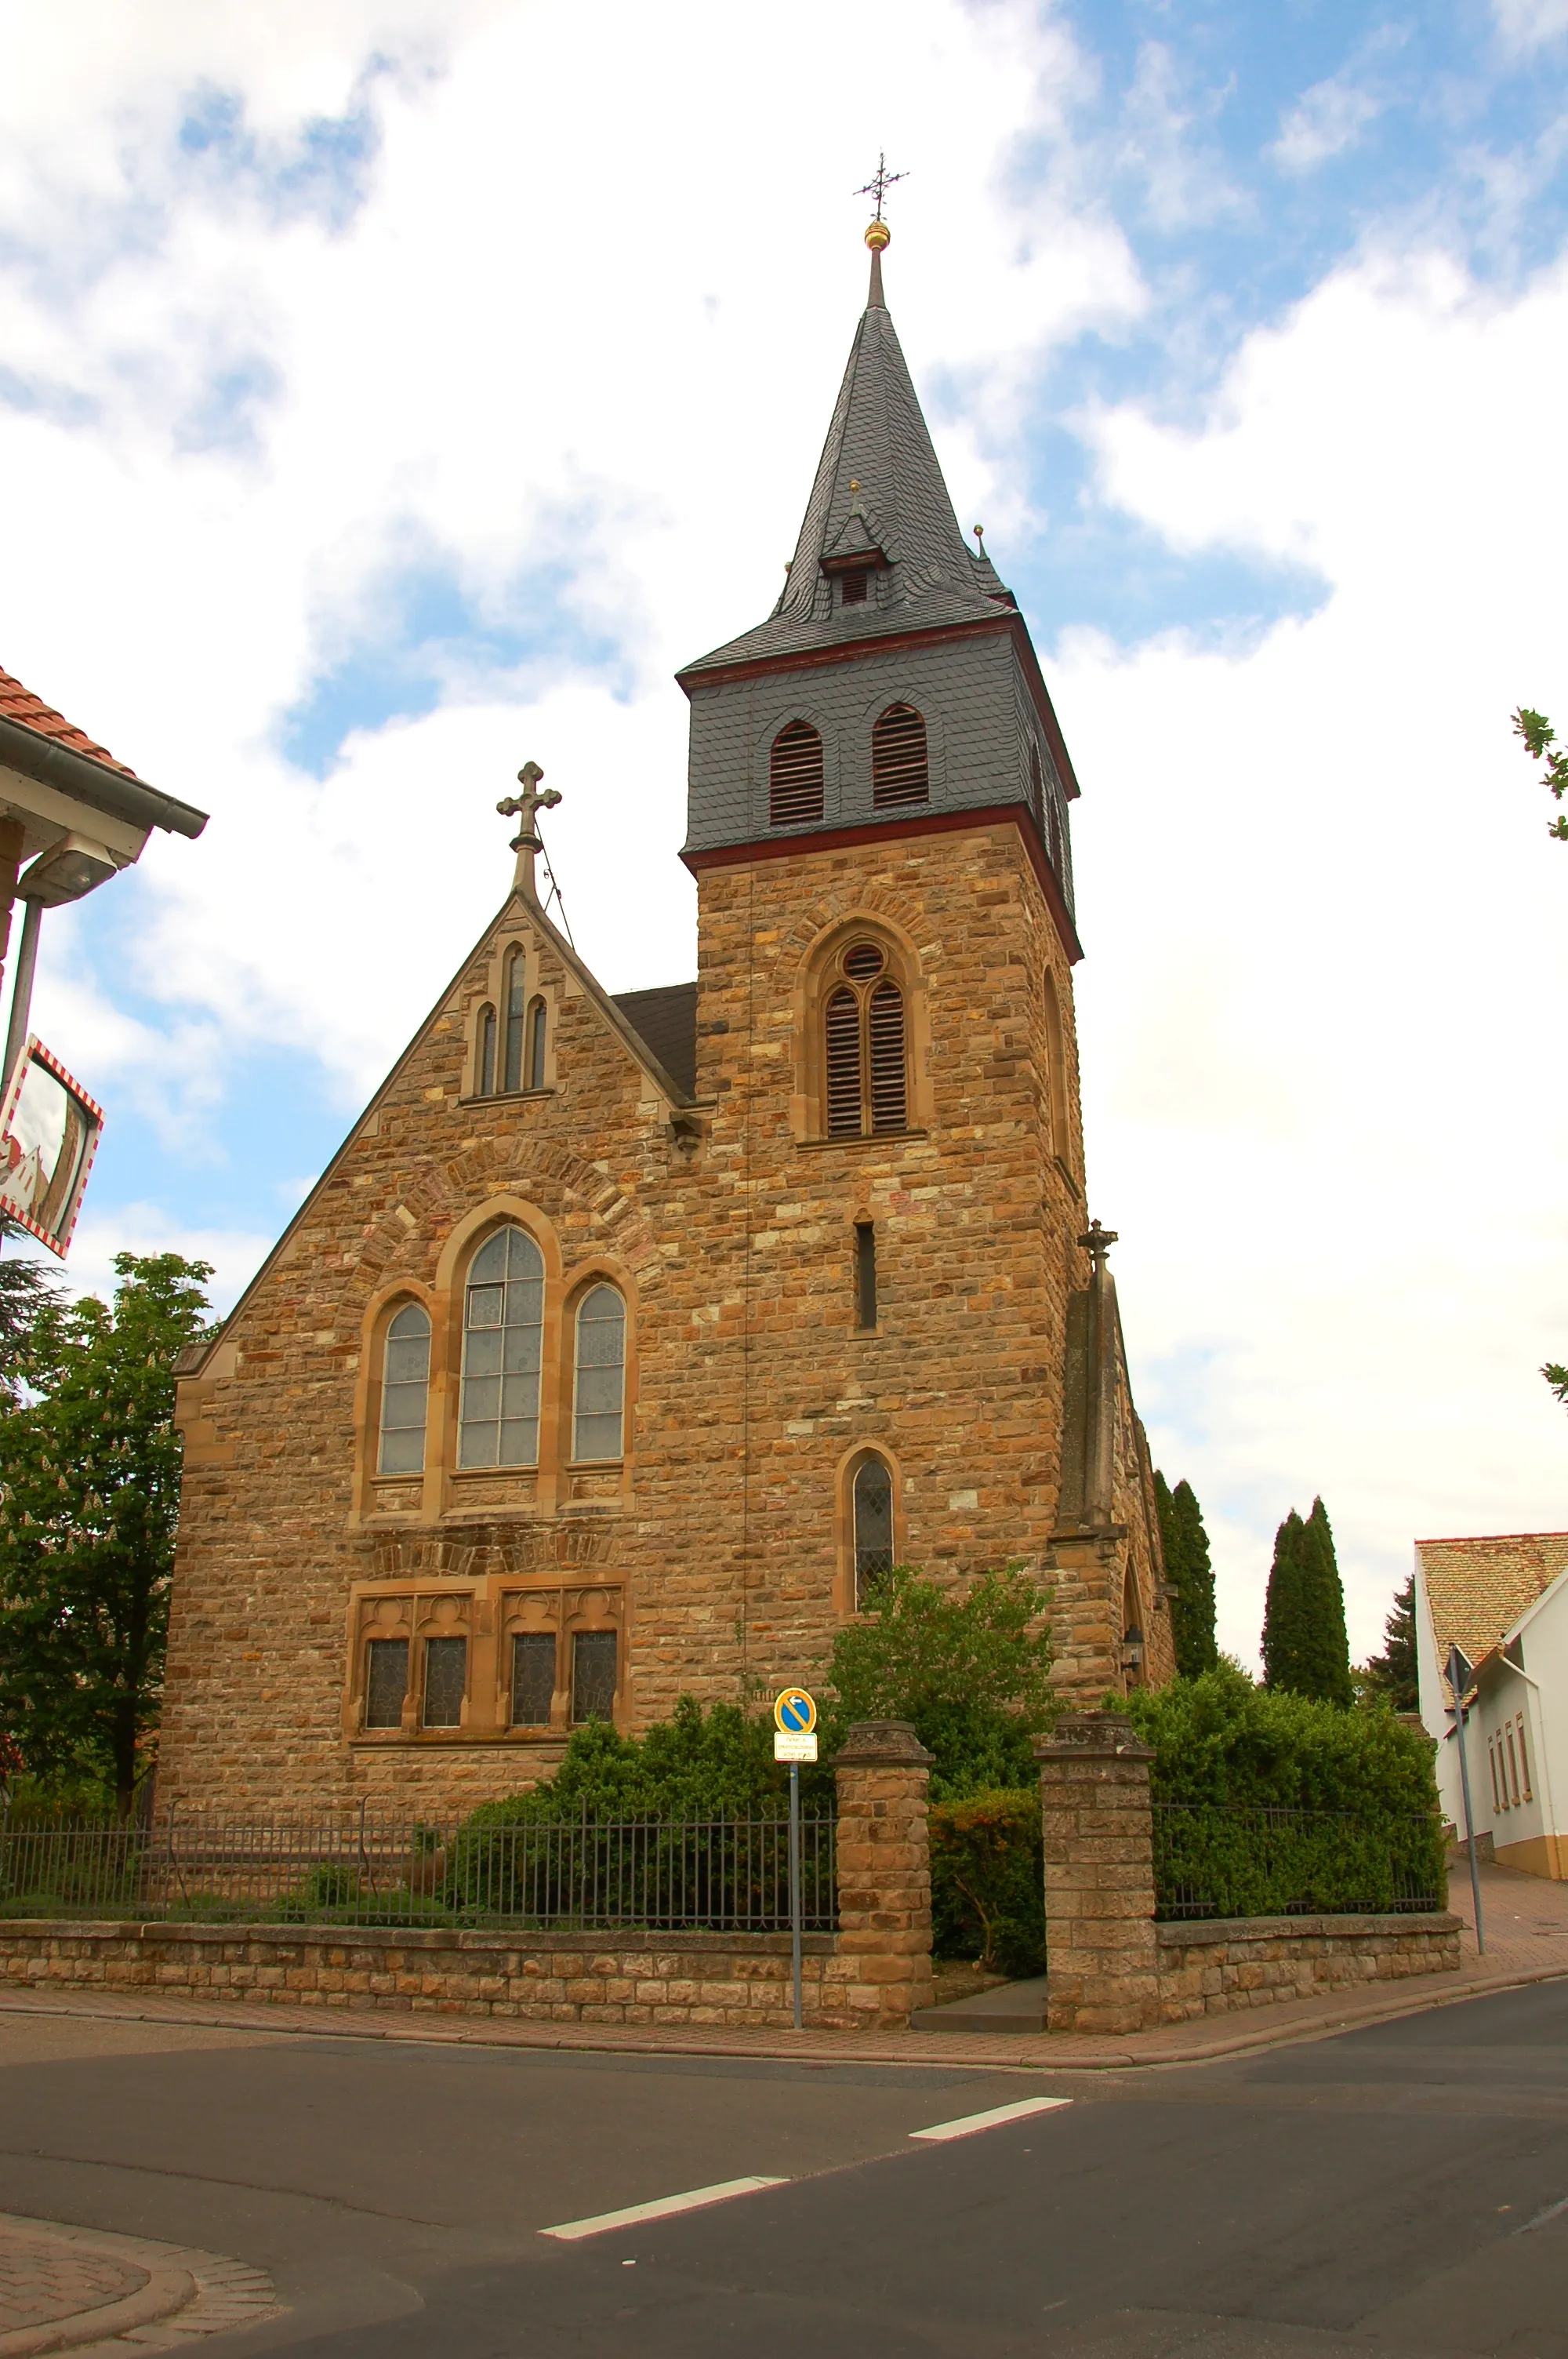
column 900, row 768
column 843, row 1064
column 601, row 1389
column 445, row 1680
column 537, row 1020
column 532, row 1678
column 387, row 1682
column 1513, row 1771
column 795, row 777
column 503, row 1306
column 405, row 1392
column 872, row 1503
column 865, row 1275
column 1524, row 1762
column 593, row 1675
column 487, row 1052
column 1492, row 1764
column 516, row 980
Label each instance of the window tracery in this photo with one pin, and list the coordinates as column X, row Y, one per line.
column 865, row 1048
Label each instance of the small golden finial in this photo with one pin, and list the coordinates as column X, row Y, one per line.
column 878, row 236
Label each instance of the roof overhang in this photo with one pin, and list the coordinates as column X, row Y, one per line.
column 48, row 763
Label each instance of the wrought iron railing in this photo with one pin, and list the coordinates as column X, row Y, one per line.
column 723, row 1874
column 1214, row 1862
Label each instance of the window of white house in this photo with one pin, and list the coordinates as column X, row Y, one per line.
column 405, row 1392
column 387, row 1682
column 1524, row 1762
column 593, row 1675
column 601, row 1375
column 446, row 1677
column 872, row 1505
column 503, row 1311
column 532, row 1678
column 1513, row 1770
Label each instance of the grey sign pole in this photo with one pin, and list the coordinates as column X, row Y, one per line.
column 794, row 1882
column 1461, row 1672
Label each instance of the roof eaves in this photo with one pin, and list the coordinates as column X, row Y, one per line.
column 105, row 786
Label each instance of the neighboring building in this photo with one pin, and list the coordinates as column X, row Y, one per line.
column 1505, row 1602
column 628, row 1340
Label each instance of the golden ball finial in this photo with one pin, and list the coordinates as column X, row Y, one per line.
column 878, row 237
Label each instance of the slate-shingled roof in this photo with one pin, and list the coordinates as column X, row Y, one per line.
column 1479, row 1589
column 880, row 440
column 666, row 1019
column 19, row 705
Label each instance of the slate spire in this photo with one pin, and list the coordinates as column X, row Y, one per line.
column 879, row 495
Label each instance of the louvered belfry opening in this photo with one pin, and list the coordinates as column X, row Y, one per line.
column 795, row 776
column 853, row 590
column 900, row 770
column 866, row 1064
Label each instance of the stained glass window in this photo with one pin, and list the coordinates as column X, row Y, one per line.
column 446, row 1676
column 387, row 1682
column 532, row 1678
column 593, row 1675
column 503, row 1311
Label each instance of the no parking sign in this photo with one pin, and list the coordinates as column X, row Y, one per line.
column 795, row 1725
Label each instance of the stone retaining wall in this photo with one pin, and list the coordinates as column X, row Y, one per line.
column 1214, row 1968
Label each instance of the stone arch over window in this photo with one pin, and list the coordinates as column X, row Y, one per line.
column 901, row 765
column 396, row 1388
column 502, row 1351
column 598, row 1373
column 1056, row 1077
column 795, row 776
column 405, row 1392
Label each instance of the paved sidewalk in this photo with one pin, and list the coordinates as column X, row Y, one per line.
column 64, row 2288
column 1526, row 1921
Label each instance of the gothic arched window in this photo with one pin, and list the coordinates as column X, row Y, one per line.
column 795, row 776
column 485, row 1062
column 537, row 1020
column 900, row 770
column 516, row 980
column 599, row 1390
column 870, row 1502
column 405, row 1392
column 865, row 1063
column 503, row 1308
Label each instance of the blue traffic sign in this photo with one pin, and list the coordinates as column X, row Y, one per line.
column 794, row 1712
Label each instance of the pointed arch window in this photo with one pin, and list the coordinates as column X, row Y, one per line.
column 405, row 1392
column 795, row 776
column 600, row 1392
column 503, row 1306
column 900, row 771
column 517, row 984
column 485, row 1061
column 866, row 1058
column 871, row 1503
column 535, row 1060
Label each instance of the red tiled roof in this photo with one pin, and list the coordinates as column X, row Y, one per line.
column 18, row 703
column 1479, row 1588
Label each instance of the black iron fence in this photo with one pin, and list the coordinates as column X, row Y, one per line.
column 1212, row 1861
column 719, row 1874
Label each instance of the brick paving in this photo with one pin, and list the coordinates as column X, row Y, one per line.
column 43, row 2277
column 106, row 2297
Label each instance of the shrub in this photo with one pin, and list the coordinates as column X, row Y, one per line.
column 987, row 1897
column 1219, row 1739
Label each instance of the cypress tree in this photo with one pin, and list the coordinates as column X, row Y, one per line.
column 1326, row 1604
column 1190, row 1576
column 1286, row 1651
column 1305, row 1650
column 1393, row 1672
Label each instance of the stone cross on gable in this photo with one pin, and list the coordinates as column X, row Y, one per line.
column 526, row 807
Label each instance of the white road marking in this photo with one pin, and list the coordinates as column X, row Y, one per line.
column 970, row 2123
column 693, row 2201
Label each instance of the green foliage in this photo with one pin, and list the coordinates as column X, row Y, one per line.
column 1391, row 1678
column 89, row 1501
column 1305, row 1650
column 987, row 1881
column 1231, row 1863
column 1541, row 745
column 1218, row 1739
column 970, row 1670
column 696, row 1763
column 26, row 1287
column 1190, row 1574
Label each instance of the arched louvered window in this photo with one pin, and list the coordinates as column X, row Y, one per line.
column 486, row 1058
column 795, row 776
column 600, row 1388
column 900, row 770
column 870, row 1502
column 405, row 1392
column 516, row 983
column 504, row 1313
column 537, row 1021
column 865, row 1054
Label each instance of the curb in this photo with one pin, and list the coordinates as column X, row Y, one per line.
column 189, row 2291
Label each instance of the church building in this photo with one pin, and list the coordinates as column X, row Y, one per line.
column 629, row 1339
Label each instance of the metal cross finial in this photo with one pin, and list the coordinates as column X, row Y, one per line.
column 527, row 807
column 880, row 181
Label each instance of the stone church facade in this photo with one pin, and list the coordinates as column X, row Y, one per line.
column 627, row 1340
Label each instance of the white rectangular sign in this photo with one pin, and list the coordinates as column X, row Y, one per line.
column 795, row 1748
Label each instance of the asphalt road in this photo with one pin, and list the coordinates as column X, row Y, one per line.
column 1390, row 2190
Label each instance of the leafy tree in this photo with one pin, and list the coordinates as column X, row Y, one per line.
column 1190, row 1574
column 972, row 1672
column 89, row 1500
column 1305, row 1650
column 1391, row 1678
column 1541, row 745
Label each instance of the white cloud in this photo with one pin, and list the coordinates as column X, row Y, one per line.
column 1526, row 25
column 235, row 1254
column 1325, row 122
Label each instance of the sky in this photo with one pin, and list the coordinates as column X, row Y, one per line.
column 392, row 392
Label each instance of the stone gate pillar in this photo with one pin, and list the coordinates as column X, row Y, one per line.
column 883, row 1947
column 1102, row 1955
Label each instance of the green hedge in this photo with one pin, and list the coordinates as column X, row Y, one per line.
column 1220, row 1740
column 988, row 1877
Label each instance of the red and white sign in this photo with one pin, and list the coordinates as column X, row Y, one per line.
column 49, row 1130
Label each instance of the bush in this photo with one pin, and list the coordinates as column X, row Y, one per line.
column 988, row 1893
column 1218, row 1739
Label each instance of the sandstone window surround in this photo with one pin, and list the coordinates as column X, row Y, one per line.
column 861, row 1019
column 500, row 1659
column 869, row 1522
column 511, row 1044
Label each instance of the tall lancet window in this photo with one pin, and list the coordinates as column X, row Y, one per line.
column 872, row 1503
column 535, row 1070
column 517, row 984
column 504, row 1312
column 900, row 768
column 600, row 1388
column 486, row 1059
column 795, row 776
column 405, row 1392
column 865, row 1048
